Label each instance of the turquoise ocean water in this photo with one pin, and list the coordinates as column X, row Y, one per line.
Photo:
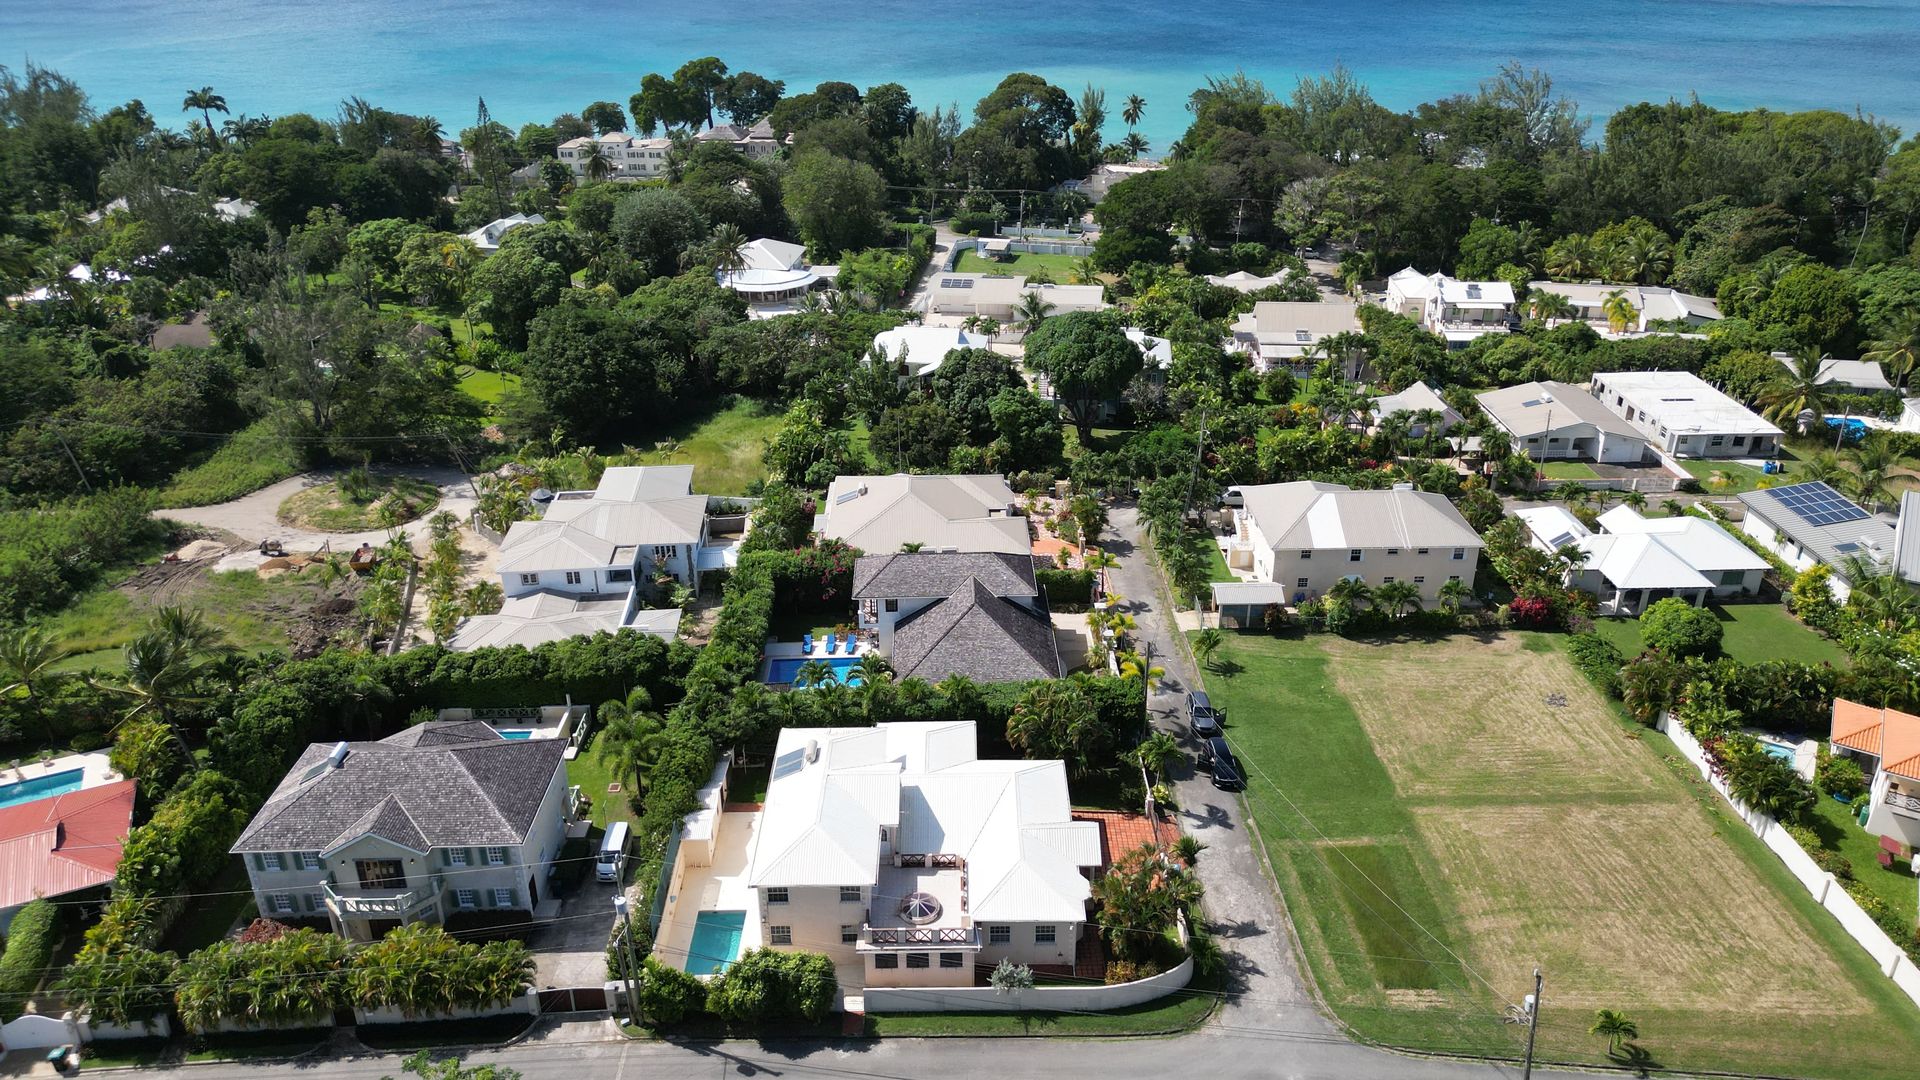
column 532, row 60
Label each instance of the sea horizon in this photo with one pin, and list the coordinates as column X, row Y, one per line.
column 438, row 58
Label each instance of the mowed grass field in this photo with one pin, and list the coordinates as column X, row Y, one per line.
column 727, row 448
column 1750, row 633
column 1439, row 828
column 1024, row 263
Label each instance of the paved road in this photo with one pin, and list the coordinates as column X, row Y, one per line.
column 255, row 517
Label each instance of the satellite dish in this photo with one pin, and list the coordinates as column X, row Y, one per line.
column 542, row 496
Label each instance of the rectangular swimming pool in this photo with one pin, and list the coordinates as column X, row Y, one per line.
column 41, row 787
column 515, row 733
column 782, row 670
column 716, row 941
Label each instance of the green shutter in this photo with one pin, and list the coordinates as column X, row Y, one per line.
column 259, row 862
column 446, row 856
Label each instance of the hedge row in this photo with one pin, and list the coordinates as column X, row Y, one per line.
column 30, row 943
column 1598, row 660
column 1067, row 589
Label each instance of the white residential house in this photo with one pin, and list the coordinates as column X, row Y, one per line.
column 896, row 851
column 880, row 514
column 1909, row 415
column 442, row 818
column 756, row 140
column 1416, row 399
column 1244, row 282
column 772, row 276
column 1636, row 561
column 1861, row 376
column 1651, row 305
column 1305, row 536
column 1811, row 523
column 999, row 296
column 1549, row 420
column 1886, row 743
column 1684, row 416
column 487, row 237
column 920, row 349
column 1459, row 311
column 1288, row 333
column 936, row 614
column 629, row 158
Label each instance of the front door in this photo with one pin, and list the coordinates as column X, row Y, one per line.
column 380, row 873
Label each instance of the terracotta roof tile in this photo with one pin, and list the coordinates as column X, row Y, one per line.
column 1888, row 734
column 1121, row 832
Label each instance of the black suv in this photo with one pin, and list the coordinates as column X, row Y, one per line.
column 1218, row 760
column 1202, row 717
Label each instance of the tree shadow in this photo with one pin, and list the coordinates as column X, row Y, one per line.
column 1226, row 668
column 1636, row 1057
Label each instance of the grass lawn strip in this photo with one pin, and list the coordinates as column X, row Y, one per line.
column 1518, row 833
column 1840, row 831
column 1568, row 470
column 1751, row 633
column 247, row 461
column 1178, row 1011
column 254, row 612
column 1022, row 263
column 726, row 448
column 325, row 508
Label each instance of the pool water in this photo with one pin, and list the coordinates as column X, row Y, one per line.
column 515, row 733
column 782, row 670
column 716, row 941
column 1784, row 753
column 41, row 787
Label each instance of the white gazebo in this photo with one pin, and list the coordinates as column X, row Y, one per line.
column 772, row 273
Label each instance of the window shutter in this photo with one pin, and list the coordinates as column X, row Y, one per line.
column 307, row 899
column 259, row 861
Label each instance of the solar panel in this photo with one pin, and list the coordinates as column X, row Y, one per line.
column 1817, row 503
column 956, row 283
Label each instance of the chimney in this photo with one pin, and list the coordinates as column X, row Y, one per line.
column 813, row 751
column 338, row 755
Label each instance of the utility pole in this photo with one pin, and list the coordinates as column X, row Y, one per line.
column 625, row 910
column 1533, row 1024
column 55, row 428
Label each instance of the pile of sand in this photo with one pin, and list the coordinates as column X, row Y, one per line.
column 200, row 549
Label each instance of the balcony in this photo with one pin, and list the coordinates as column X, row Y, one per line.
column 1903, row 803
column 907, row 937
column 377, row 903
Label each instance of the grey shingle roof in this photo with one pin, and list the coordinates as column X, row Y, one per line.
column 977, row 634
column 939, row 573
column 432, row 785
column 1870, row 538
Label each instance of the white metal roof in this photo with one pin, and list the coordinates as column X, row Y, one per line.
column 878, row 514
column 923, row 348
column 1536, row 408
column 1702, row 544
column 1308, row 514
column 1682, row 401
column 1640, row 562
column 1552, row 526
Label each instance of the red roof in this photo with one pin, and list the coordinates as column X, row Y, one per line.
column 1888, row 734
column 1121, row 832
column 63, row 843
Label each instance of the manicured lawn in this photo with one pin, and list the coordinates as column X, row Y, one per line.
column 1022, row 263
column 1751, row 633
column 1439, row 829
column 253, row 611
column 593, row 771
column 247, row 461
column 1729, row 477
column 326, row 508
column 725, row 448
column 1217, row 570
column 1568, row 470
column 487, row 386
column 1840, row 831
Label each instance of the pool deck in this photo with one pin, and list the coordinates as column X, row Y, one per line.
column 719, row 887
column 790, row 650
column 97, row 769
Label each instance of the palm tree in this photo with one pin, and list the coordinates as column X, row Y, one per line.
column 17, row 263
column 1206, row 643
column 1031, row 309
column 1135, row 665
column 1881, row 599
column 1157, row 753
column 1824, row 466
column 1572, row 257
column 1620, row 312
column 1397, row 598
column 1615, row 1027
column 1100, row 562
column 27, row 658
column 594, row 165
column 632, row 737
column 961, row 696
column 1898, row 354
column 1454, row 595
column 1643, row 257
column 1084, row 271
column 208, row 103
column 1352, row 590
column 727, row 247
column 1635, row 500
column 1800, row 388
column 873, row 670
column 1672, row 507
column 1551, row 307
column 167, row 669
column 813, row 673
column 1135, row 108
column 1873, row 463
column 1135, row 144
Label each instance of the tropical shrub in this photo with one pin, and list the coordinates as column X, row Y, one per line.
column 1141, row 896
column 768, row 985
column 30, row 943
column 186, row 840
column 422, row 969
column 1066, row 590
column 1765, row 782
column 123, row 986
column 1841, row 777
column 1598, row 660
column 1679, row 629
column 296, row 979
column 669, row 995
column 1832, row 862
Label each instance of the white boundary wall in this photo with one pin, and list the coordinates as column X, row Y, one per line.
column 527, row 1003
column 1826, row 890
column 900, row 999
column 36, row 1032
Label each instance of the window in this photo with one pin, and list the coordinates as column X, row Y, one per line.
column 1306, row 555
column 457, row 857
column 665, row 551
column 466, row 898
column 282, row 902
column 573, row 577
column 777, row 895
column 1420, row 551
column 1717, row 440
column 780, row 935
column 1741, row 440
column 1354, row 555
column 893, row 605
column 1300, row 583
column 1393, row 551
column 309, row 860
column 503, row 898
column 849, row 894
column 496, row 856
column 849, row 935
column 529, row 579
column 999, row 935
column 1043, row 935
column 1419, row 579
column 1459, row 554
column 1732, row 577
column 917, row 960
column 885, row 960
column 1453, row 577
column 272, row 861
column 952, row 959
column 619, row 575
column 380, row 873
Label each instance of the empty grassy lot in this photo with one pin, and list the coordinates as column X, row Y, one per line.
column 1023, row 263
column 1439, row 828
column 1750, row 633
column 726, row 448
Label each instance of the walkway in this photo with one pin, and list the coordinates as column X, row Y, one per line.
column 255, row 517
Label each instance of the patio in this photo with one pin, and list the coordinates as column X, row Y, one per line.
column 720, row 886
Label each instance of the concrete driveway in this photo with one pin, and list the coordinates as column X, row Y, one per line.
column 570, row 944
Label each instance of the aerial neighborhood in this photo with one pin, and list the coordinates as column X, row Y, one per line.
column 755, row 562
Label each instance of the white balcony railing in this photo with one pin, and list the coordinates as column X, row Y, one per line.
column 1905, row 804
column 375, row 903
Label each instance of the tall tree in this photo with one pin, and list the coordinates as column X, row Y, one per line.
column 1087, row 358
column 208, row 103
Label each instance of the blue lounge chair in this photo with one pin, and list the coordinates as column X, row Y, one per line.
column 833, row 644
column 806, row 643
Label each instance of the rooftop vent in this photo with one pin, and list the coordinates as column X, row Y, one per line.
column 813, row 751
column 541, row 496
column 920, row 908
column 337, row 756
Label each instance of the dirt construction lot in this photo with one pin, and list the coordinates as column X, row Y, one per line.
column 1445, row 816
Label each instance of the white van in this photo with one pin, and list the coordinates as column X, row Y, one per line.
column 1233, row 497
column 613, row 853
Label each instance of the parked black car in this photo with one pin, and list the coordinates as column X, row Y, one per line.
column 1202, row 718
column 1217, row 758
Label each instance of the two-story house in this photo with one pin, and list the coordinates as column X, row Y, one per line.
column 639, row 523
column 441, row 818
column 880, row 514
column 1306, row 536
column 936, row 614
column 898, row 852
column 1289, row 333
column 1683, row 415
column 626, row 157
column 1886, row 743
column 1550, row 419
column 1459, row 311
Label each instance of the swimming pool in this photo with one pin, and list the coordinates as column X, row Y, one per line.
column 41, row 787
column 1783, row 752
column 716, row 941
column 515, row 733
column 782, row 670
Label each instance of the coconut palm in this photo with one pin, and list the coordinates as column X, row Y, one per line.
column 1643, row 257
column 727, row 247
column 1157, row 753
column 632, row 736
column 873, row 670
column 813, row 673
column 1572, row 257
column 1397, row 598
column 1084, row 271
column 1672, row 507
column 1551, row 307
column 1032, row 309
column 1620, row 312
column 594, row 164
column 1799, row 388
column 1206, row 643
column 1634, row 500
column 1135, row 144
column 208, row 103
column 1454, row 595
column 1615, row 1027
column 167, row 669
column 1135, row 108
column 1898, row 353
column 27, row 659
column 1871, row 481
column 1824, row 466
column 1352, row 590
